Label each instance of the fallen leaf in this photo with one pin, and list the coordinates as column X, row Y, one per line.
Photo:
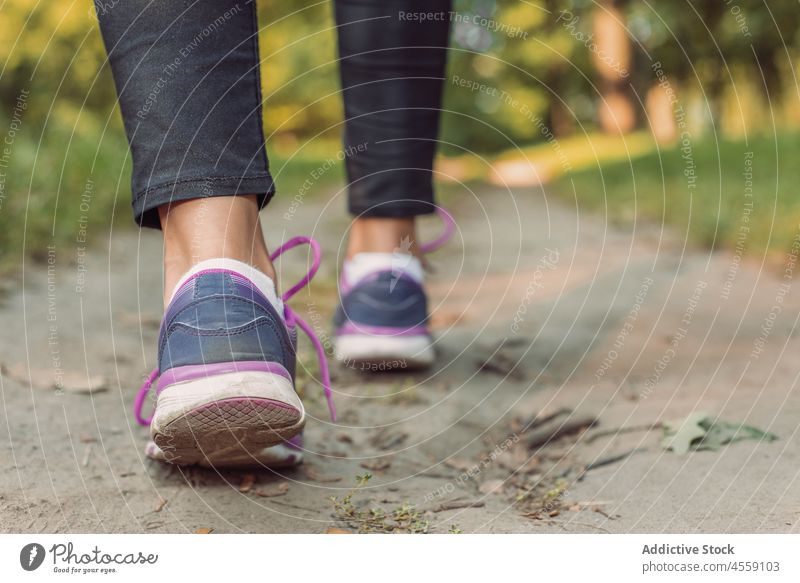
column 72, row 381
column 491, row 487
column 679, row 435
column 500, row 361
column 312, row 475
column 138, row 319
column 247, row 483
column 386, row 440
column 203, row 530
column 503, row 365
column 337, row 531
column 720, row 433
column 701, row 431
column 518, row 460
column 75, row 382
column 459, row 464
column 378, row 465
column 159, row 505
column 32, row 377
column 278, row 490
column 445, row 319
column 458, row 504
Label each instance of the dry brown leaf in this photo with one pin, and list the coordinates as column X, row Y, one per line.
column 458, row 504
column 76, row 382
column 502, row 363
column 203, row 530
column 278, row 490
column 333, row 530
column 247, row 483
column 459, row 464
column 377, row 465
column 491, row 487
column 518, row 460
column 32, row 377
column 138, row 319
column 159, row 505
column 71, row 381
column 444, row 318
column 386, row 439
column 312, row 475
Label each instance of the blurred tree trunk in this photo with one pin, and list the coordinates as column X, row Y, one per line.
column 560, row 119
column 660, row 114
column 612, row 60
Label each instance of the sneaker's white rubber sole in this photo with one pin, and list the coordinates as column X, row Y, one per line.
column 274, row 457
column 231, row 414
column 385, row 353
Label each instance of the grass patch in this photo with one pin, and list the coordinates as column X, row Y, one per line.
column 63, row 188
column 402, row 519
column 733, row 195
column 65, row 184
column 59, row 189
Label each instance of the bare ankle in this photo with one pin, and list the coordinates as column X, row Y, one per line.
column 211, row 228
column 383, row 235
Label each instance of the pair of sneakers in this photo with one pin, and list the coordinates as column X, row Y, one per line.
column 224, row 386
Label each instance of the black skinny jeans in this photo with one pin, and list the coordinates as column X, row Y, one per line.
column 188, row 81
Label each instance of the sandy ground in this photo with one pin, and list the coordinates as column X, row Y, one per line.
column 625, row 325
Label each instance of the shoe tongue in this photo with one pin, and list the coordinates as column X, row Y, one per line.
column 260, row 280
column 362, row 265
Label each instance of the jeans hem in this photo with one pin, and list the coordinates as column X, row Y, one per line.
column 394, row 209
column 146, row 203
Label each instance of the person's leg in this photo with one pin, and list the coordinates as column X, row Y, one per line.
column 211, row 228
column 393, row 55
column 187, row 76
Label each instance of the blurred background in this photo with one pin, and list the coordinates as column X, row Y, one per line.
column 650, row 150
column 678, row 112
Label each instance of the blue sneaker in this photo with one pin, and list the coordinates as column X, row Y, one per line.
column 381, row 323
column 227, row 358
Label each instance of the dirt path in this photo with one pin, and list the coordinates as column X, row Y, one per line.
column 624, row 325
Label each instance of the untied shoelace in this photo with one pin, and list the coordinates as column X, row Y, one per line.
column 292, row 319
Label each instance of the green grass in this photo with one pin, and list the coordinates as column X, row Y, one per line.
column 58, row 190
column 48, row 175
column 64, row 190
column 711, row 208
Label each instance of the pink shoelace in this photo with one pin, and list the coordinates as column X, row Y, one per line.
column 291, row 318
column 447, row 233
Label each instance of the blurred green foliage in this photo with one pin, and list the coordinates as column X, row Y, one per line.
column 731, row 60
column 744, row 196
column 524, row 48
